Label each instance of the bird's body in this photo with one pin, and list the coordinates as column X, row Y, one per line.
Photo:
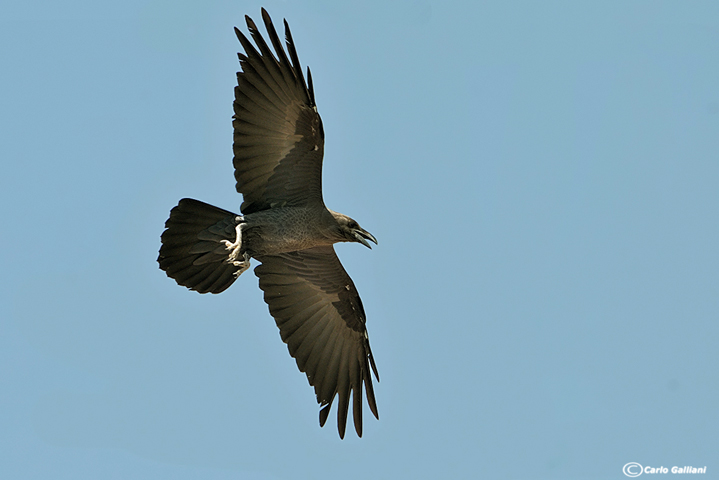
column 288, row 229
column 285, row 225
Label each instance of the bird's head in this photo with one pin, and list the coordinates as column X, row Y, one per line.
column 350, row 231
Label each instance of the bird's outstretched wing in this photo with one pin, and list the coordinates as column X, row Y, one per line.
column 278, row 136
column 322, row 321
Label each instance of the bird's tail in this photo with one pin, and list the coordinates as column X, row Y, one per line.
column 196, row 249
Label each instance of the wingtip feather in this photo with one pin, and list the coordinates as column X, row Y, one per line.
column 250, row 23
column 324, row 412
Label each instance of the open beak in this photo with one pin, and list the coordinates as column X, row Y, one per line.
column 363, row 235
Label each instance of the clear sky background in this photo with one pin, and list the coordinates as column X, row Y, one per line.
column 543, row 180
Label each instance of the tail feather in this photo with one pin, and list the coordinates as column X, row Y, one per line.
column 192, row 252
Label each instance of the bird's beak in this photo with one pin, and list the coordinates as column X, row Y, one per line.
column 362, row 236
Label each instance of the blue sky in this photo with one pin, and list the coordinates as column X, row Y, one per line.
column 541, row 177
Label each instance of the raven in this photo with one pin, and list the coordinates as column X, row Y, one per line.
column 285, row 225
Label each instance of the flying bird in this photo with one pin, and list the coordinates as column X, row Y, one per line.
column 285, row 225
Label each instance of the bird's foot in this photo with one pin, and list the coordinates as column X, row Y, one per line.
column 234, row 255
column 235, row 247
column 242, row 265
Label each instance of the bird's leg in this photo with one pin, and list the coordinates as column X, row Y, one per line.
column 235, row 248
